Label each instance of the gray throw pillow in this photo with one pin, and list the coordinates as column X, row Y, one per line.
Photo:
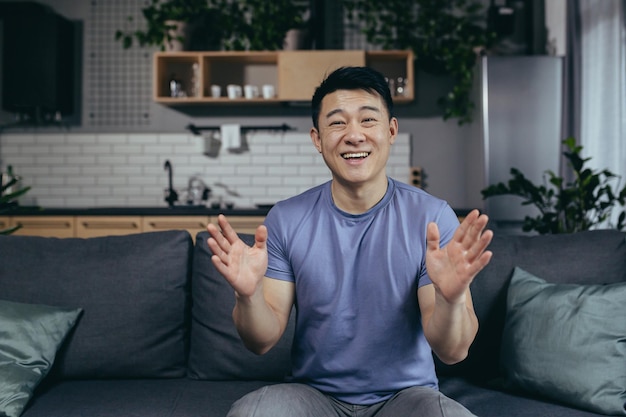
column 134, row 291
column 30, row 335
column 567, row 342
column 217, row 352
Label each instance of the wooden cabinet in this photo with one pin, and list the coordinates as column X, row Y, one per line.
column 192, row 224
column 243, row 224
column 93, row 226
column 295, row 74
column 4, row 222
column 47, row 226
column 301, row 71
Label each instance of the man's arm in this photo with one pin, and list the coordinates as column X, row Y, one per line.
column 263, row 305
column 448, row 318
column 262, row 318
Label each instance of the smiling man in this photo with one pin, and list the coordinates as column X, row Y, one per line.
column 379, row 273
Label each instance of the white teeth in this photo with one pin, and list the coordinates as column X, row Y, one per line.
column 355, row 155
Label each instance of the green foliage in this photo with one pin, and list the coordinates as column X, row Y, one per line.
column 566, row 207
column 8, row 201
column 264, row 24
column 160, row 15
column 217, row 24
column 444, row 35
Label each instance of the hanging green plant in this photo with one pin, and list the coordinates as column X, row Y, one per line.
column 567, row 207
column 263, row 24
column 199, row 24
column 444, row 35
column 215, row 24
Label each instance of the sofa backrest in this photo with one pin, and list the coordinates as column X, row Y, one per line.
column 134, row 291
column 590, row 257
column 216, row 351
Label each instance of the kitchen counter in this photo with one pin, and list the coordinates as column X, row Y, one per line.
column 262, row 210
column 139, row 211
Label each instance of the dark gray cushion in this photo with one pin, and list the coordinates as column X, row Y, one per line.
column 217, row 352
column 180, row 397
column 566, row 342
column 485, row 401
column 591, row 257
column 134, row 291
column 30, row 335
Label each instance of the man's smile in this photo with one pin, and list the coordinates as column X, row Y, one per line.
column 355, row 155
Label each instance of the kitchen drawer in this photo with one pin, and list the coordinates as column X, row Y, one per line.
column 192, row 224
column 243, row 224
column 46, row 226
column 93, row 226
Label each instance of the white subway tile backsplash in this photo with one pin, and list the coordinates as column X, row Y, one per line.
column 42, row 181
column 80, row 160
column 80, row 139
column 81, row 180
column 85, row 170
column 79, row 202
column 112, row 181
column 50, row 160
column 112, row 139
column 65, row 149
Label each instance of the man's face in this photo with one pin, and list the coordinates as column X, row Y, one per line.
column 355, row 136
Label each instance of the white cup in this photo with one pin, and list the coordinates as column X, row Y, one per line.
column 250, row 91
column 216, row 91
column 233, row 91
column 268, row 91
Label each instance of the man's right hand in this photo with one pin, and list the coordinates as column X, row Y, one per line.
column 243, row 266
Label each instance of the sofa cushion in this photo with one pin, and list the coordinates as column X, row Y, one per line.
column 133, row 289
column 30, row 335
column 590, row 257
column 217, row 352
column 180, row 397
column 566, row 342
column 485, row 401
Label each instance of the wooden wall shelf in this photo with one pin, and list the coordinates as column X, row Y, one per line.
column 294, row 74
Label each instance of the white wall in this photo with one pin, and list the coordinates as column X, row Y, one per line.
column 104, row 170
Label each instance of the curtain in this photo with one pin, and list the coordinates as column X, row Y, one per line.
column 603, row 84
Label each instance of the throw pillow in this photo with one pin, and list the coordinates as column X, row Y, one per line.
column 134, row 290
column 217, row 353
column 30, row 335
column 566, row 342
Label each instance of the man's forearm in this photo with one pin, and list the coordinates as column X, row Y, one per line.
column 256, row 323
column 451, row 330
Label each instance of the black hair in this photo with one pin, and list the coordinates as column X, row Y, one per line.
column 351, row 78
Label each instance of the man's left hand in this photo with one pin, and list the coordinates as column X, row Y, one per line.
column 453, row 267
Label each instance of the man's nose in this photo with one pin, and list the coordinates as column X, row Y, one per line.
column 354, row 133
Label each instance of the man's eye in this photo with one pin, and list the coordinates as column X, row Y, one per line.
column 336, row 122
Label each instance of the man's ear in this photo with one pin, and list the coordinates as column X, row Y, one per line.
column 315, row 137
column 393, row 130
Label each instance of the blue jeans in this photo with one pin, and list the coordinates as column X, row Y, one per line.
column 299, row 400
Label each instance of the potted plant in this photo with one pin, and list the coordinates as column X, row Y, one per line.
column 263, row 25
column 8, row 197
column 444, row 35
column 564, row 206
column 196, row 24
column 216, row 24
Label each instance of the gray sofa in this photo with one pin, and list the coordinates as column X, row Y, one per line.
column 154, row 336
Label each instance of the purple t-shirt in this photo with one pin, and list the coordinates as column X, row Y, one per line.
column 358, row 333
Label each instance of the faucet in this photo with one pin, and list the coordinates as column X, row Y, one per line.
column 171, row 196
column 197, row 190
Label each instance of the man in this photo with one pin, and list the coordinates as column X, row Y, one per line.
column 379, row 272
